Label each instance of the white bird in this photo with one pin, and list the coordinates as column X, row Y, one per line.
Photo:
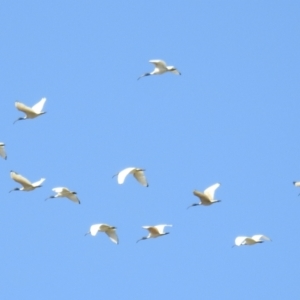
column 137, row 173
column 31, row 112
column 109, row 230
column 160, row 68
column 27, row 185
column 155, row 231
column 65, row 192
column 255, row 239
column 207, row 197
column 2, row 151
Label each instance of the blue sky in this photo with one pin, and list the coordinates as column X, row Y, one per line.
column 232, row 117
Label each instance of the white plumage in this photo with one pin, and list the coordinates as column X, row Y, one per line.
column 155, row 231
column 255, row 239
column 31, row 112
column 207, row 197
column 136, row 172
column 160, row 68
column 26, row 184
column 2, row 151
column 109, row 230
column 65, row 192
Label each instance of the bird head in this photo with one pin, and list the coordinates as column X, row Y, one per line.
column 143, row 238
column 19, row 119
column 195, row 204
column 15, row 189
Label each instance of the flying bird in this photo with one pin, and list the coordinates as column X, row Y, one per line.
column 137, row 173
column 31, row 112
column 255, row 239
column 155, row 231
column 65, row 192
column 160, row 68
column 207, row 197
column 2, row 151
column 109, row 230
column 26, row 184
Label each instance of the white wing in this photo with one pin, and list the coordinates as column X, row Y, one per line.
column 123, row 174
column 25, row 109
column 210, row 191
column 2, row 150
column 112, row 235
column 240, row 240
column 140, row 177
column 160, row 228
column 174, row 71
column 94, row 229
column 59, row 190
column 296, row 183
column 159, row 64
column 20, row 179
column 38, row 183
column 73, row 197
column 260, row 237
column 39, row 106
column 204, row 198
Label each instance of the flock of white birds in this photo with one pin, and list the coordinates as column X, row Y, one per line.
column 206, row 198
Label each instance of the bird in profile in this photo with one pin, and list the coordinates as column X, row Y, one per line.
column 207, row 197
column 2, row 151
column 26, row 184
column 255, row 239
column 160, row 68
column 31, row 112
column 64, row 192
column 137, row 173
column 109, row 230
column 155, row 231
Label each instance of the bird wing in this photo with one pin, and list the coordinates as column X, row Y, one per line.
column 140, row 177
column 94, row 229
column 123, row 174
column 240, row 240
column 73, row 197
column 160, row 228
column 152, row 229
column 20, row 179
column 204, row 199
column 25, row 109
column 2, row 150
column 38, row 183
column 60, row 190
column 296, row 183
column 38, row 107
column 260, row 237
column 210, row 191
column 112, row 235
column 159, row 64
column 174, row 70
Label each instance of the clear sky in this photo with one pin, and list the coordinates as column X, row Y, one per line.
column 232, row 117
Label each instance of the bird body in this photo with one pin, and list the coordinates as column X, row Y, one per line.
column 2, row 151
column 109, row 230
column 136, row 172
column 207, row 197
column 65, row 192
column 255, row 239
column 160, row 68
column 31, row 112
column 26, row 184
column 155, row 231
